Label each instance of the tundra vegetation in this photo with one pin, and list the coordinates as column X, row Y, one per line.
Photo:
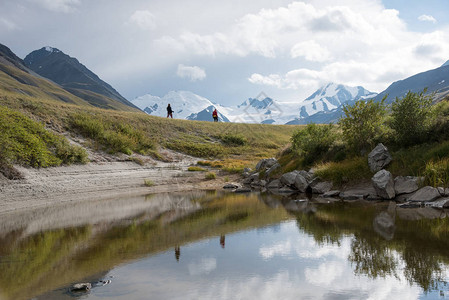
column 415, row 131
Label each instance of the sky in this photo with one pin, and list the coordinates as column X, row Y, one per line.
column 228, row 51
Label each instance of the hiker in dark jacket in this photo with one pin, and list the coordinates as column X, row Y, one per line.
column 169, row 111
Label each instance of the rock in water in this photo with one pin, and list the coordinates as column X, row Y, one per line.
column 383, row 184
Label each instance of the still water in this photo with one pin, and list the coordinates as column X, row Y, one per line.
column 215, row 245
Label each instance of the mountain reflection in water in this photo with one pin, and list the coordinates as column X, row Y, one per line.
column 214, row 245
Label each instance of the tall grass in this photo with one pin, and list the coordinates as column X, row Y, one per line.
column 351, row 170
column 436, row 173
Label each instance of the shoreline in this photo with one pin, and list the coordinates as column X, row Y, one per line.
column 99, row 181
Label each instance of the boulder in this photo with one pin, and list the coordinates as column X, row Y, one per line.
column 425, row 194
column 288, row 179
column 274, row 184
column 379, row 158
column 321, row 187
column 308, row 176
column 266, row 163
column 301, row 183
column 248, row 170
column 81, row 287
column 231, row 186
column 383, row 184
column 440, row 203
column 332, row 193
column 406, row 184
column 242, row 190
column 271, row 169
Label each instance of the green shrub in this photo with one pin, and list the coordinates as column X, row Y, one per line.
column 210, row 175
column 196, row 169
column 362, row 124
column 411, row 116
column 313, row 141
column 148, row 182
column 233, row 139
column 27, row 142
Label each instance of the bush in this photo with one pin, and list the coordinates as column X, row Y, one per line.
column 313, row 141
column 233, row 139
column 196, row 169
column 411, row 118
column 210, row 176
column 362, row 124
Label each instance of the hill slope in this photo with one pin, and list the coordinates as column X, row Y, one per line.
column 73, row 76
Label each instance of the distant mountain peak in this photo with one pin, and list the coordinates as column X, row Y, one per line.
column 445, row 64
column 51, row 49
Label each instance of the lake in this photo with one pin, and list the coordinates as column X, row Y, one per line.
column 220, row 245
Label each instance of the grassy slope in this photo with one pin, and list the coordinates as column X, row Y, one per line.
column 121, row 131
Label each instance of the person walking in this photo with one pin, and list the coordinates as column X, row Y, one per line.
column 169, row 111
column 215, row 115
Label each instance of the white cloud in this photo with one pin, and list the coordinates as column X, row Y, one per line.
column 427, row 18
column 311, row 51
column 143, row 19
column 193, row 73
column 283, row 248
column 65, row 6
column 204, row 266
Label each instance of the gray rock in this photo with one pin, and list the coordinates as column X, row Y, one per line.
column 254, row 176
column 425, row 194
column 321, row 187
column 351, row 196
column 272, row 169
column 275, row 184
column 247, row 180
column 379, row 158
column 308, row 176
column 286, row 190
column 231, row 186
column 246, row 174
column 265, row 163
column 81, row 287
column 441, row 191
column 409, row 205
column 446, row 192
column 332, row 193
column 301, row 183
column 248, row 170
column 288, row 179
column 406, row 184
column 440, row 203
column 383, row 184
column 263, row 183
column 243, row 190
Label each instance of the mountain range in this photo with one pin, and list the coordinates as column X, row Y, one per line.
column 261, row 109
column 48, row 72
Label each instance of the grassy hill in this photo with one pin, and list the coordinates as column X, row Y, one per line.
column 236, row 145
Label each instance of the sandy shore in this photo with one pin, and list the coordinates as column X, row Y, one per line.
column 99, row 180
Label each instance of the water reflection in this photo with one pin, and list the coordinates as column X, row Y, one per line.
column 233, row 247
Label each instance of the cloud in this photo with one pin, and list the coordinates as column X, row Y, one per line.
column 8, row 25
column 65, row 6
column 427, row 18
column 311, row 51
column 193, row 73
column 143, row 19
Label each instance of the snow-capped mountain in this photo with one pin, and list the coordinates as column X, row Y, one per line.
column 261, row 109
column 185, row 105
column 330, row 97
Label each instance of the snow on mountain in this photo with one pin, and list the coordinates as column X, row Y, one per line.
column 445, row 64
column 330, row 97
column 261, row 109
column 185, row 104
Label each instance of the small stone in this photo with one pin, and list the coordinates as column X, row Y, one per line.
column 81, row 287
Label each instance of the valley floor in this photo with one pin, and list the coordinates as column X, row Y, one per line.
column 100, row 180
